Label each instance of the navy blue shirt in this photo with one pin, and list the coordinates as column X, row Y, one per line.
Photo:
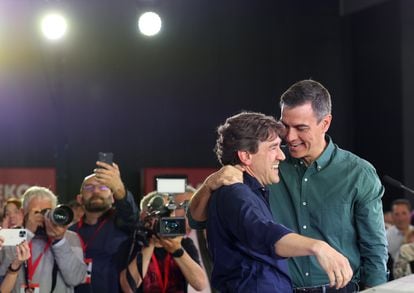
column 103, row 242
column 241, row 237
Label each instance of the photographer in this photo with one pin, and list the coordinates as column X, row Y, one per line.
column 167, row 263
column 56, row 262
column 110, row 213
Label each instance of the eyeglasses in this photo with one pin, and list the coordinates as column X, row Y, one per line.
column 91, row 187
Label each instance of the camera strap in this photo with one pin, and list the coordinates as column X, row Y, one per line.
column 30, row 267
column 54, row 275
column 131, row 282
column 134, row 249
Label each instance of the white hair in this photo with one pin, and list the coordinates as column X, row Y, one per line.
column 38, row 192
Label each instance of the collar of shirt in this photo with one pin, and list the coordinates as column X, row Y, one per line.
column 320, row 162
column 255, row 185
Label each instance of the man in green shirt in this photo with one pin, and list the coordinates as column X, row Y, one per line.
column 325, row 193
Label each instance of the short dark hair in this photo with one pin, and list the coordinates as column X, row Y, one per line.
column 243, row 132
column 401, row 201
column 305, row 91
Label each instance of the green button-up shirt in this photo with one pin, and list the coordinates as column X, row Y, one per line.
column 336, row 199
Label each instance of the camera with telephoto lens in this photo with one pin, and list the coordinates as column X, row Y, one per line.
column 62, row 215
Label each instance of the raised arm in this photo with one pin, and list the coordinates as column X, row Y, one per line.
column 332, row 262
column 225, row 176
column 198, row 202
column 124, row 203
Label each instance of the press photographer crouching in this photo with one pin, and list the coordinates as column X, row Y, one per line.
column 168, row 262
column 56, row 262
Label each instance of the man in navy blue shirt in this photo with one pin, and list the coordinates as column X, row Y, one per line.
column 110, row 215
column 248, row 247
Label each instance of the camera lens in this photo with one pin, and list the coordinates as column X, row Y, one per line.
column 62, row 215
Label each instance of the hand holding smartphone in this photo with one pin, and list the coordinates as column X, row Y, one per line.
column 13, row 237
column 106, row 157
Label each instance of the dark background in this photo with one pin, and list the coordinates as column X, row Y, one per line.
column 155, row 102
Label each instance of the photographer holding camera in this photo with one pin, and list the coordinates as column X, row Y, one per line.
column 56, row 262
column 110, row 215
column 167, row 263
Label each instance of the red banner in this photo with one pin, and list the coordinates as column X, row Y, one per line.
column 15, row 181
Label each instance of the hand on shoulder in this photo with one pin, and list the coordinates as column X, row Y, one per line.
column 227, row 175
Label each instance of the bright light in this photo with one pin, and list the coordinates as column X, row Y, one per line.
column 149, row 24
column 54, row 26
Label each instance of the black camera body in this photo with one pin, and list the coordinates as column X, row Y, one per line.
column 158, row 221
column 62, row 215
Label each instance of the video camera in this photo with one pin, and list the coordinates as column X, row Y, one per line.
column 158, row 220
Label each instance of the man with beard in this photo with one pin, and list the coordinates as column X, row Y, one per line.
column 110, row 212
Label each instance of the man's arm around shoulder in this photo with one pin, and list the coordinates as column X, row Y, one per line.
column 198, row 205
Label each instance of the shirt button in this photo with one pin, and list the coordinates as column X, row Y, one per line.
column 304, row 203
column 304, row 227
column 306, row 179
column 306, row 274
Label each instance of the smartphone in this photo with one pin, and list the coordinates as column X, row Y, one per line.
column 13, row 237
column 106, row 157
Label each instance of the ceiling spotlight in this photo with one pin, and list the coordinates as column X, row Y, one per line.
column 149, row 23
column 54, row 26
